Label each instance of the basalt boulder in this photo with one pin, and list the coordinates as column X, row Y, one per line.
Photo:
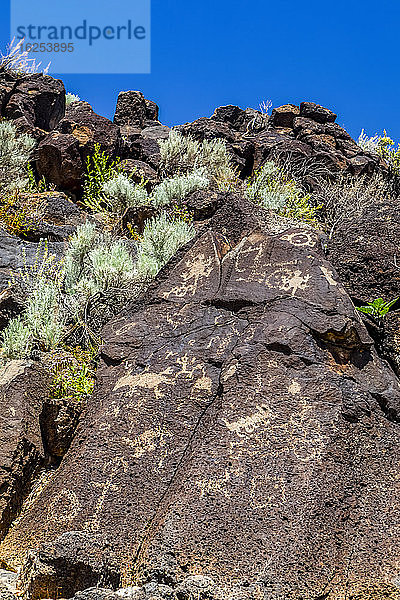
column 242, row 424
column 22, row 391
column 34, row 101
column 63, row 153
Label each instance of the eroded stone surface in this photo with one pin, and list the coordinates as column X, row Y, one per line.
column 243, row 423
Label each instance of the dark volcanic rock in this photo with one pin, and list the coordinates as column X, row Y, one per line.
column 63, row 153
column 12, row 250
column 74, row 561
column 11, row 305
column 22, row 391
column 318, row 113
column 365, row 252
column 58, row 421
column 131, row 109
column 242, row 150
column 37, row 100
column 60, row 162
column 242, row 422
column 284, row 116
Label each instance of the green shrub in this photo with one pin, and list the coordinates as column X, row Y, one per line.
column 161, row 239
column 178, row 188
column 99, row 169
column 69, row 98
column 73, row 376
column 273, row 189
column 15, row 153
column 121, row 193
column 378, row 308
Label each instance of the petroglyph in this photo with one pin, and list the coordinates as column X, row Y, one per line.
column 300, row 239
column 110, row 469
column 328, row 275
column 267, row 491
column 199, row 268
column 147, row 380
column 64, row 507
column 294, row 388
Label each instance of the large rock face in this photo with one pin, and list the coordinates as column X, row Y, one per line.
column 22, row 389
column 243, row 425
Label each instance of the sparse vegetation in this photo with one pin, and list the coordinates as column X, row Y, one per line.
column 73, row 374
column 17, row 60
column 100, row 168
column 273, row 189
column 15, row 153
column 377, row 309
column 69, row 98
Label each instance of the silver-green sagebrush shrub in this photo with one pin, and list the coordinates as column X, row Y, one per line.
column 273, row 189
column 15, row 153
column 69, row 98
column 178, row 188
column 161, row 240
column 16, row 339
column 121, row 193
column 182, row 154
column 39, row 324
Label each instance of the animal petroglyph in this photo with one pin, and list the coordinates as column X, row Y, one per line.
column 199, row 268
column 328, row 275
column 146, row 380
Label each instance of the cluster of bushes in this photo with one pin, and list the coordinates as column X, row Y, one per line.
column 67, row 303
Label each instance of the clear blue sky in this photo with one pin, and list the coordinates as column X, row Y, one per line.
column 342, row 54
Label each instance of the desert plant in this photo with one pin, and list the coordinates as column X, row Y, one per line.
column 16, row 340
column 69, row 98
column 15, row 152
column 121, row 193
column 41, row 315
column 178, row 188
column 178, row 153
column 346, row 197
column 182, row 154
column 99, row 169
column 161, row 239
column 368, row 144
column 378, row 308
column 17, row 59
column 73, row 374
column 45, row 267
column 273, row 189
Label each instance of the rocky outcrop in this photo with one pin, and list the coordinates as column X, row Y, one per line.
column 365, row 252
column 63, row 153
column 22, row 390
column 133, row 110
column 74, row 561
column 243, row 425
column 16, row 253
column 36, row 103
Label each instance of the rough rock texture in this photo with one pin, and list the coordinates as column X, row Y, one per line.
column 243, row 424
column 58, row 421
column 12, row 254
column 305, row 132
column 22, row 389
column 74, row 561
column 62, row 154
column 365, row 252
column 33, row 101
column 134, row 110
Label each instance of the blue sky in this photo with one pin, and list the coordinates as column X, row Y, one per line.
column 343, row 55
